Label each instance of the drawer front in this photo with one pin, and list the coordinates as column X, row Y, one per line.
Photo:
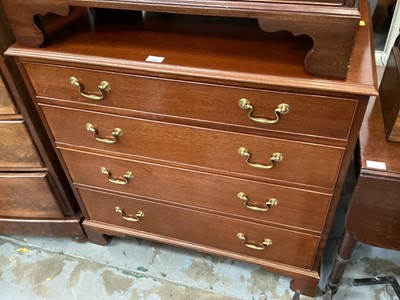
column 6, row 105
column 309, row 115
column 16, row 147
column 302, row 163
column 293, row 207
column 200, row 228
column 27, row 195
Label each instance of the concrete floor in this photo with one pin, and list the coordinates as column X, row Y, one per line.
column 59, row 268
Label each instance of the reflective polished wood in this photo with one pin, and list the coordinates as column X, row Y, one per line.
column 328, row 23
column 177, row 147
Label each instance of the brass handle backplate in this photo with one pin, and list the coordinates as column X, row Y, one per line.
column 282, row 108
column 107, row 140
column 124, row 180
column 275, row 157
column 103, row 87
column 264, row 207
column 129, row 218
column 264, row 244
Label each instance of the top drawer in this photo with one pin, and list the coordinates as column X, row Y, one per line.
column 309, row 115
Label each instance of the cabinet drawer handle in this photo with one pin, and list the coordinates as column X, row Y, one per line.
column 264, row 244
column 126, row 177
column 103, row 88
column 111, row 140
column 266, row 206
column 134, row 218
column 282, row 108
column 276, row 157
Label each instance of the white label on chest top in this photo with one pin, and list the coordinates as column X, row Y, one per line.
column 156, row 59
column 376, row 165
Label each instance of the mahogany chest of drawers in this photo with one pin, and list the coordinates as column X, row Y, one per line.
column 212, row 144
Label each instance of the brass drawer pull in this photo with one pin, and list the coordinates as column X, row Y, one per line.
column 265, row 243
column 126, row 177
column 266, row 206
column 282, row 108
column 276, row 157
column 135, row 218
column 111, row 140
column 103, row 88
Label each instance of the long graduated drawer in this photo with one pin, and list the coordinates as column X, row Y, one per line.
column 187, row 101
column 303, row 163
column 288, row 207
column 288, row 247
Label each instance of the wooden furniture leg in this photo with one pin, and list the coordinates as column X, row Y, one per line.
column 95, row 236
column 306, row 286
column 343, row 256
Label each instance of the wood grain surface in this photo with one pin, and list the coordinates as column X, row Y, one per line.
column 16, row 148
column 373, row 216
column 186, row 101
column 181, row 147
column 299, row 209
column 306, row 164
column 6, row 105
column 232, row 51
column 27, row 195
column 202, row 228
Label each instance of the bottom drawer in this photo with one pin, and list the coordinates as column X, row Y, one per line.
column 27, row 195
column 201, row 228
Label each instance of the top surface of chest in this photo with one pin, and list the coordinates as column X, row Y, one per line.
column 327, row 22
column 234, row 51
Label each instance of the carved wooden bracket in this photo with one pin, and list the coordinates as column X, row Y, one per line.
column 21, row 15
column 333, row 39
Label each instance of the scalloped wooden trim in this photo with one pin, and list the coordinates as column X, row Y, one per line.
column 21, row 15
column 333, row 39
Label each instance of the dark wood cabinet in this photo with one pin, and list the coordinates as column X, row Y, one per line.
column 35, row 197
column 221, row 141
column 373, row 215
